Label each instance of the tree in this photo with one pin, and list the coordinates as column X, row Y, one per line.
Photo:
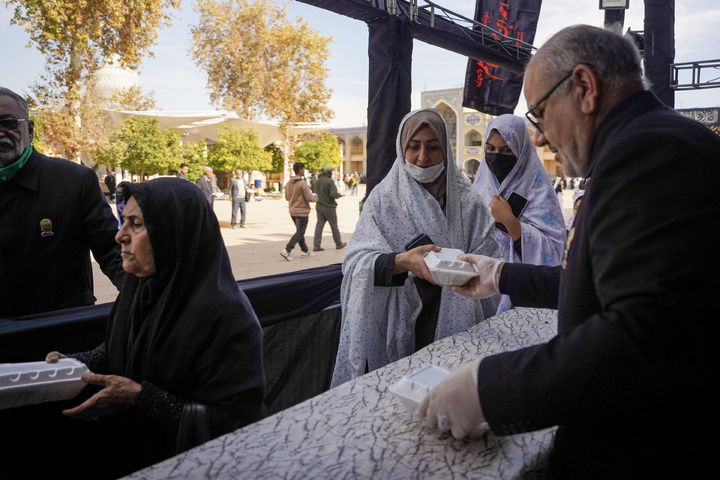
column 260, row 64
column 38, row 140
column 133, row 100
column 74, row 35
column 195, row 155
column 238, row 148
column 142, row 147
column 278, row 162
column 316, row 153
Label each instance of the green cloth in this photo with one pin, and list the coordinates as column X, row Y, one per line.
column 9, row 171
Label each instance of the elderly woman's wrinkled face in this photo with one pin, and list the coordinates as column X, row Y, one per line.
column 424, row 149
column 137, row 254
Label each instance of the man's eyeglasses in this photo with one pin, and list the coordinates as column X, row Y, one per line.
column 11, row 124
column 530, row 115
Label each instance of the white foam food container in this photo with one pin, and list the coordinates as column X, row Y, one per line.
column 446, row 269
column 412, row 388
column 39, row 382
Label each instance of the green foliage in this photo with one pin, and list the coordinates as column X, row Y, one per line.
column 38, row 141
column 316, row 153
column 195, row 155
column 278, row 162
column 139, row 145
column 238, row 148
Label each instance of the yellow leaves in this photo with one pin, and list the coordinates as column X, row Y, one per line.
column 259, row 63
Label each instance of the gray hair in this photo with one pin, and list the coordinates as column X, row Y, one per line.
column 20, row 100
column 207, row 169
column 614, row 58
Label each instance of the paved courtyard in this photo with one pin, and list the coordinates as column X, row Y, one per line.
column 254, row 251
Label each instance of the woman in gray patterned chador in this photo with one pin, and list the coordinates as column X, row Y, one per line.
column 390, row 306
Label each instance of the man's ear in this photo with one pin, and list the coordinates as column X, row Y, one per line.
column 588, row 88
column 31, row 130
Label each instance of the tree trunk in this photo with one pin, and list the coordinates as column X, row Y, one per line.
column 73, row 99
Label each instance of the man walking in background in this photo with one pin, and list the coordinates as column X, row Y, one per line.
column 237, row 196
column 327, row 209
column 299, row 196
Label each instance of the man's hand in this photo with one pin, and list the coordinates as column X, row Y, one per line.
column 454, row 404
column 414, row 261
column 119, row 393
column 486, row 284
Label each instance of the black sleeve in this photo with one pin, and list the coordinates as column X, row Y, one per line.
column 517, row 246
column 530, row 285
column 96, row 360
column 101, row 226
column 384, row 272
column 157, row 403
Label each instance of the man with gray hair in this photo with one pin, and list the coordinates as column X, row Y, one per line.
column 628, row 378
column 52, row 213
column 205, row 184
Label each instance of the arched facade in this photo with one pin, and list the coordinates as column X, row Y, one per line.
column 353, row 149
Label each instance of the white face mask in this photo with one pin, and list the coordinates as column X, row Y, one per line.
column 424, row 175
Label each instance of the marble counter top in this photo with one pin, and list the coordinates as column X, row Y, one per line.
column 360, row 430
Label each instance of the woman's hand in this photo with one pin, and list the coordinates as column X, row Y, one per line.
column 414, row 261
column 118, row 393
column 502, row 213
column 53, row 357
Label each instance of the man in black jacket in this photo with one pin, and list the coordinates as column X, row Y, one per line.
column 628, row 378
column 52, row 213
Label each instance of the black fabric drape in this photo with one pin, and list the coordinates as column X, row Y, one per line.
column 659, row 51
column 299, row 357
column 390, row 52
column 488, row 88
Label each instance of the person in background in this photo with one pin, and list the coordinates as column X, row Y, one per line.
column 182, row 358
column 238, row 190
column 512, row 181
column 54, row 214
column 629, row 378
column 183, row 171
column 205, row 185
column 326, row 208
column 110, row 183
column 391, row 306
column 577, row 200
column 299, row 196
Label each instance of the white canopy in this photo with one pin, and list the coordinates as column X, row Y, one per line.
column 204, row 124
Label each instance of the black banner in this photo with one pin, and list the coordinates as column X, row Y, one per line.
column 489, row 88
column 710, row 117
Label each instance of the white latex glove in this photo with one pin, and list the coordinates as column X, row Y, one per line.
column 486, row 284
column 454, row 404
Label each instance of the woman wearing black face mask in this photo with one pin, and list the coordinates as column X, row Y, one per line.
column 513, row 183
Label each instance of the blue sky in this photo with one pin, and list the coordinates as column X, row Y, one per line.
column 180, row 85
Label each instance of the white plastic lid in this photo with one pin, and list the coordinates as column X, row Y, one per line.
column 37, row 382
column 446, row 269
column 412, row 388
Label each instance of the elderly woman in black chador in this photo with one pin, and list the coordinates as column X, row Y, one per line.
column 182, row 357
